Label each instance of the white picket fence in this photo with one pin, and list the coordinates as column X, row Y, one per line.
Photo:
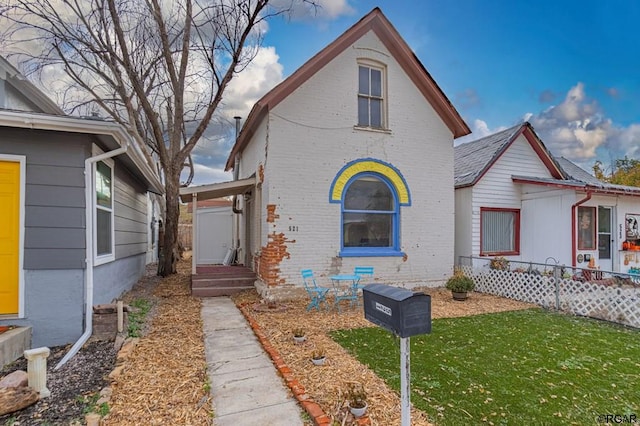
column 614, row 299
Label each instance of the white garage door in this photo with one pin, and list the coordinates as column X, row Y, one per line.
column 214, row 235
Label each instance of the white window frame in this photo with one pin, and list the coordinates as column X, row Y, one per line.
column 109, row 257
column 383, row 95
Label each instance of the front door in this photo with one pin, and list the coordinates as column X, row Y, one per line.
column 9, row 236
column 605, row 238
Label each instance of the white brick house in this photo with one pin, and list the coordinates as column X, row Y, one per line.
column 352, row 157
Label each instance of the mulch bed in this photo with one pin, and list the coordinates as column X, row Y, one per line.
column 165, row 381
column 326, row 384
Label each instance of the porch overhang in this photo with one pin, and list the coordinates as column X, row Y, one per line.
column 217, row 190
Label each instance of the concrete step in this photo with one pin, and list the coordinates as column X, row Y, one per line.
column 13, row 343
column 218, row 291
column 200, row 282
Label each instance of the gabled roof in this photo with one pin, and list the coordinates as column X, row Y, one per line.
column 473, row 159
column 32, row 94
column 374, row 21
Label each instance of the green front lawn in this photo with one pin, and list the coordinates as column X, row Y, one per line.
column 521, row 367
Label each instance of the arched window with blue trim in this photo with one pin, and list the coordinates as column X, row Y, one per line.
column 370, row 216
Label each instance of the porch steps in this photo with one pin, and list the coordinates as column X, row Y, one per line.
column 13, row 343
column 212, row 281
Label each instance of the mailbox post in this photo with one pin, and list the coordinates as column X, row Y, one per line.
column 405, row 314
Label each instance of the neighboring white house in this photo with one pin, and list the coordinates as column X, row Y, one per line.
column 514, row 199
column 349, row 162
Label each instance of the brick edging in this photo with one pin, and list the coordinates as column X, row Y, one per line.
column 310, row 406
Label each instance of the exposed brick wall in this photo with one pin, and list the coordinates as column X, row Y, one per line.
column 268, row 263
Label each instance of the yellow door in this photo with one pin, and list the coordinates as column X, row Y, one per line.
column 9, row 236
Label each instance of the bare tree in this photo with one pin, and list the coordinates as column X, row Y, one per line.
column 158, row 67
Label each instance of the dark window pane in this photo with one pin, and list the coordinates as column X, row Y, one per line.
column 103, row 184
column 103, row 237
column 363, row 80
column 363, row 111
column 604, row 219
column 376, row 83
column 368, row 230
column 376, row 113
column 368, row 194
column 604, row 246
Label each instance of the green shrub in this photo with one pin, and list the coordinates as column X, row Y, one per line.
column 460, row 283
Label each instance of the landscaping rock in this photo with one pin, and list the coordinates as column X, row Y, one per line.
column 17, row 379
column 15, row 399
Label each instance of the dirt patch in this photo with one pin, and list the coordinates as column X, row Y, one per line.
column 326, row 384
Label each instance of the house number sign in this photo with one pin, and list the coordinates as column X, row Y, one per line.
column 293, row 228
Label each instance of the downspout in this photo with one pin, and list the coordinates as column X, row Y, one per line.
column 574, row 244
column 234, row 207
column 88, row 283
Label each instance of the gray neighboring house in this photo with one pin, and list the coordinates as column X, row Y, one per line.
column 76, row 213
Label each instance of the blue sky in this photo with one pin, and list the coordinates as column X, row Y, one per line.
column 572, row 68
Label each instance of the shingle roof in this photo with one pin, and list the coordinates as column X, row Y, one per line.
column 573, row 171
column 471, row 159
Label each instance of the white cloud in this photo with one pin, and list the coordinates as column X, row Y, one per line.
column 260, row 76
column 479, row 129
column 323, row 9
column 575, row 128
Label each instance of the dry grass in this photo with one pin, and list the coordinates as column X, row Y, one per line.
column 327, row 384
column 165, row 377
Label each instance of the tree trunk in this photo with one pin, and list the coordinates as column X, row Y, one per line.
column 170, row 255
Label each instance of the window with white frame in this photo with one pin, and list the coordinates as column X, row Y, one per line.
column 370, row 96
column 370, row 217
column 499, row 231
column 103, row 212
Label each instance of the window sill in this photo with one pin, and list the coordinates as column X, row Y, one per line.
column 372, row 129
column 370, row 253
column 501, row 253
column 102, row 260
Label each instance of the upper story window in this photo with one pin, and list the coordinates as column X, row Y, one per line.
column 371, row 96
column 370, row 217
column 499, row 231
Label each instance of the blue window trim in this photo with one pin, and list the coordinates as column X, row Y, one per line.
column 394, row 250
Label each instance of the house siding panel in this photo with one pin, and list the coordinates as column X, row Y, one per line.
column 54, row 194
column 496, row 188
column 312, row 136
column 130, row 216
column 463, row 200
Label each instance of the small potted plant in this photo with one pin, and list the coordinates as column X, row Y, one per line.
column 299, row 335
column 499, row 263
column 318, row 356
column 460, row 285
column 357, row 399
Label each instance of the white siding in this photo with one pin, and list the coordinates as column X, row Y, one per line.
column 312, row 136
column 463, row 197
column 545, row 225
column 496, row 188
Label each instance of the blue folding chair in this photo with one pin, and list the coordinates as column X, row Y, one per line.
column 365, row 272
column 317, row 294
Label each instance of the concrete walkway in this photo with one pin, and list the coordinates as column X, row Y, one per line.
column 245, row 387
